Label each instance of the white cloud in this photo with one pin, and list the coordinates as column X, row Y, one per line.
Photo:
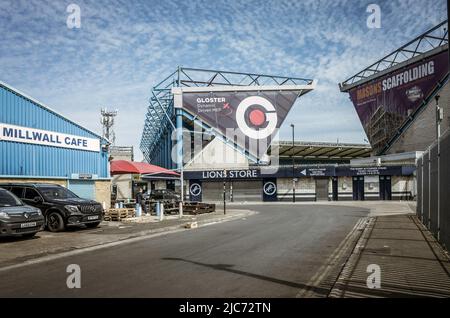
column 125, row 47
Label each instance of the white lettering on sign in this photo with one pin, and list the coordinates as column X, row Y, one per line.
column 47, row 138
column 234, row 174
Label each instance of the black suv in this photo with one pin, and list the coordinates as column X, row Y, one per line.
column 60, row 206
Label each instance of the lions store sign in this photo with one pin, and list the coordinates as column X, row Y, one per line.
column 28, row 135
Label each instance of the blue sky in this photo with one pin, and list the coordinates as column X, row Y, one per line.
column 124, row 47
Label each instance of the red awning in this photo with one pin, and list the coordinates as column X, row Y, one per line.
column 131, row 167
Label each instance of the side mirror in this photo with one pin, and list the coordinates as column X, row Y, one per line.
column 37, row 199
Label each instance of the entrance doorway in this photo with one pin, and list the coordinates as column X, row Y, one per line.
column 244, row 191
column 321, row 189
column 385, row 188
column 358, row 188
column 335, row 188
column 213, row 191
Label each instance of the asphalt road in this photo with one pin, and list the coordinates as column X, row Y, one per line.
column 271, row 254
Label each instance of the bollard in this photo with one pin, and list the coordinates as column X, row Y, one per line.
column 138, row 210
column 157, row 209
column 181, row 209
column 161, row 212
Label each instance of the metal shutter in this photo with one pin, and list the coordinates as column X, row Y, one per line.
column 84, row 189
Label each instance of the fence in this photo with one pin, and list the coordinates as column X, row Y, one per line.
column 433, row 189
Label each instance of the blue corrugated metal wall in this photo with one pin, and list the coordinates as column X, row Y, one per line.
column 20, row 159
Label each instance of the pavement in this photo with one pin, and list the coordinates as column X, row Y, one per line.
column 375, row 208
column 411, row 263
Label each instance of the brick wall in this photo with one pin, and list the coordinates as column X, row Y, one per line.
column 123, row 183
column 103, row 192
column 422, row 132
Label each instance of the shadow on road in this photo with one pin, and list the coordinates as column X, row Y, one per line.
column 229, row 268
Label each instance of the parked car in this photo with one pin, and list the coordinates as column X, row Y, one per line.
column 60, row 206
column 164, row 195
column 18, row 219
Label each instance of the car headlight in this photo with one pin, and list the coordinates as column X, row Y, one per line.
column 39, row 212
column 72, row 208
column 4, row 215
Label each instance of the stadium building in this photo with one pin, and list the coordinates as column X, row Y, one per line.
column 39, row 145
column 185, row 130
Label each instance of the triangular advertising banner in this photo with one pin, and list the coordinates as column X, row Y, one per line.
column 254, row 116
column 384, row 103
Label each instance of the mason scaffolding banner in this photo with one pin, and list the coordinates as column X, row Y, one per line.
column 390, row 99
column 253, row 117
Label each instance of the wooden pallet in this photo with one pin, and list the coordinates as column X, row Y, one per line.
column 198, row 208
column 119, row 214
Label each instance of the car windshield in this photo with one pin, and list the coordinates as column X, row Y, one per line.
column 8, row 199
column 55, row 193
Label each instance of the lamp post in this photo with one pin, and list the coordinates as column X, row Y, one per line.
column 224, row 191
column 293, row 163
column 439, row 117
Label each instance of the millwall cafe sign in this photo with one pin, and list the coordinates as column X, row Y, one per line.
column 248, row 115
column 28, row 135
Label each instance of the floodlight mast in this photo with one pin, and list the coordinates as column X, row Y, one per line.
column 107, row 121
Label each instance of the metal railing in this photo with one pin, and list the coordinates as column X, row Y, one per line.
column 434, row 38
column 433, row 184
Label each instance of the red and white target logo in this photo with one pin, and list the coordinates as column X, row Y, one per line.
column 256, row 117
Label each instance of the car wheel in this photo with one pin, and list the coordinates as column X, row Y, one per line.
column 28, row 235
column 92, row 225
column 55, row 222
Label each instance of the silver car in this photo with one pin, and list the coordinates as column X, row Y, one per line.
column 18, row 219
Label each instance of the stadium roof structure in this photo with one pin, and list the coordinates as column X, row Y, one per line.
column 160, row 117
column 431, row 42
column 320, row 150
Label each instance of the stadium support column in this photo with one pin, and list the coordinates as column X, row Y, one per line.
column 293, row 163
column 179, row 115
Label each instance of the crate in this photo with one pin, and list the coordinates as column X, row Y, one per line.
column 119, row 214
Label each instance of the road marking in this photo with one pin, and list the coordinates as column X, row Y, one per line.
column 339, row 287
